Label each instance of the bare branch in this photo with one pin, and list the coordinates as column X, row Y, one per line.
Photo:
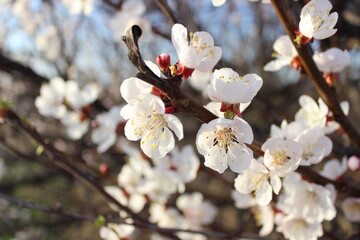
column 60, row 211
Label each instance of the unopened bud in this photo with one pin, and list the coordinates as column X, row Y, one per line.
column 103, row 169
column 354, row 163
column 163, row 61
column 296, row 63
column 331, row 78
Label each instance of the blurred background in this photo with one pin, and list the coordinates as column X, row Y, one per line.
column 81, row 40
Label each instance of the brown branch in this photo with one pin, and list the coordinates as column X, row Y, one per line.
column 62, row 161
column 15, row 68
column 60, row 211
column 327, row 93
column 171, row 88
column 165, row 9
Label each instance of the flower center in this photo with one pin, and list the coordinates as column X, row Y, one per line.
column 224, row 139
column 355, row 207
column 279, row 157
column 300, row 224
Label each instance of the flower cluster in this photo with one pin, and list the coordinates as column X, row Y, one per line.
column 143, row 180
column 67, row 102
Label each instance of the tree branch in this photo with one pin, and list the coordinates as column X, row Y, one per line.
column 60, row 211
column 171, row 88
column 327, row 93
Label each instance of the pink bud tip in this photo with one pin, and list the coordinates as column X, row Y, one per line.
column 103, row 169
column 163, row 61
column 354, row 163
column 296, row 63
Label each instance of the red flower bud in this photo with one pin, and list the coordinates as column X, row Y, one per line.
column 103, row 169
column 163, row 61
column 296, row 63
column 331, row 78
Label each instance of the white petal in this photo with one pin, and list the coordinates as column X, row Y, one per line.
column 263, row 193
column 175, row 125
column 275, row 182
column 239, row 158
column 157, row 144
column 306, row 26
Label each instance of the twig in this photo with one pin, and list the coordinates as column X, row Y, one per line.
column 60, row 211
column 62, row 161
column 305, row 54
column 165, row 8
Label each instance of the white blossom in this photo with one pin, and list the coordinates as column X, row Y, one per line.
column 351, row 208
column 315, row 21
column 49, row 43
column 159, row 185
column 80, row 6
column 306, row 200
column 165, row 216
column 227, row 86
column 281, row 157
column 297, row 228
column 222, row 143
column 51, row 99
column 287, row 130
column 243, row 200
column 196, row 52
column 315, row 146
column 28, row 20
column 333, row 169
column 195, row 209
column 135, row 202
column 78, row 98
column 131, row 88
column 285, row 52
column 218, row 3
column 147, row 121
column 131, row 13
column 76, row 125
column 354, row 163
column 259, row 180
column 114, row 231
column 184, row 164
column 200, row 80
column 105, row 134
column 313, row 114
column 332, row 60
column 265, row 217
